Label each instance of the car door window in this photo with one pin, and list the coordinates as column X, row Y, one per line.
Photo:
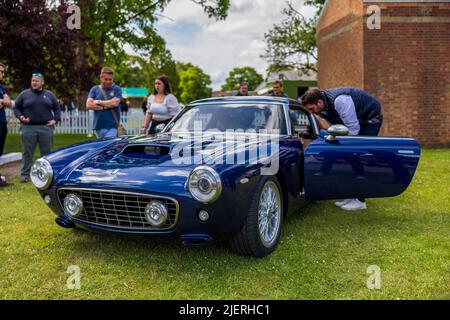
column 301, row 125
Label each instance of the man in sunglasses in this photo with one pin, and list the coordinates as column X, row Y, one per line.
column 38, row 110
column 5, row 102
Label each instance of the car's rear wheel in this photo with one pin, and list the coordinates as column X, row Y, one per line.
column 262, row 229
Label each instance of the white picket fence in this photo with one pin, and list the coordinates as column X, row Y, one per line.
column 80, row 122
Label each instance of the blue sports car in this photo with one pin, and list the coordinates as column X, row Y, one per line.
column 224, row 168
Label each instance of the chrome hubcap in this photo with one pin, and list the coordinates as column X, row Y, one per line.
column 269, row 214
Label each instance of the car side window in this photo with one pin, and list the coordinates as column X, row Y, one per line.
column 301, row 125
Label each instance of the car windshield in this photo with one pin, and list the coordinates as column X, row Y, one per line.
column 262, row 118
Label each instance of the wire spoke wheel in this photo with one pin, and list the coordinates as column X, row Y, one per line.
column 269, row 214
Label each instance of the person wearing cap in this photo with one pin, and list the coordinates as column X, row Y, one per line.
column 38, row 111
column 105, row 100
column 5, row 102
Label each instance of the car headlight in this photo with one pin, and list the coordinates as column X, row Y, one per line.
column 73, row 205
column 156, row 213
column 41, row 174
column 205, row 184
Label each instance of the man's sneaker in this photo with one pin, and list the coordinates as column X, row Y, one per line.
column 354, row 205
column 24, row 179
column 342, row 203
column 3, row 182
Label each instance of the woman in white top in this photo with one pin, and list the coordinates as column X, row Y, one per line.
column 162, row 106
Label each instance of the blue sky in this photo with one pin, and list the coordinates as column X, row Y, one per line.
column 219, row 46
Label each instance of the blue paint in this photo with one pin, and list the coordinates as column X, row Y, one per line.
column 351, row 167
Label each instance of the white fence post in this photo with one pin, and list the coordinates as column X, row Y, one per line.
column 81, row 122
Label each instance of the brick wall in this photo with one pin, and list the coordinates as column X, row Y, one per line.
column 405, row 64
column 341, row 25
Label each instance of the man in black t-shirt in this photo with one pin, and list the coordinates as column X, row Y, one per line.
column 38, row 110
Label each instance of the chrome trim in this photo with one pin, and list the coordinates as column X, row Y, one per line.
column 277, row 102
column 269, row 214
column 287, row 119
column 50, row 173
column 218, row 180
column 154, row 197
column 316, row 127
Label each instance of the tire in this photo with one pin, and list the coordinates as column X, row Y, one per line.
column 251, row 240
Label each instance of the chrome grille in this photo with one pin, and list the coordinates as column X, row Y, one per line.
column 119, row 209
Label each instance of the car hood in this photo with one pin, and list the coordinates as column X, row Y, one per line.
column 166, row 161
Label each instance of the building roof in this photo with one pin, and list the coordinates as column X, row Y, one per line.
column 292, row 75
column 134, row 92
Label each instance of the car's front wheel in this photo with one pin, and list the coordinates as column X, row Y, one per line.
column 262, row 229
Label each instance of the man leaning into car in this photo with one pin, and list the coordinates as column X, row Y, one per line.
column 354, row 108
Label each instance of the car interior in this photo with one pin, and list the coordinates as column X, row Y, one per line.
column 301, row 126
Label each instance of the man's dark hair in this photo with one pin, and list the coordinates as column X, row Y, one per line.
column 167, row 87
column 278, row 82
column 107, row 70
column 245, row 83
column 312, row 96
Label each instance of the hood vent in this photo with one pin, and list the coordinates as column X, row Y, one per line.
column 145, row 150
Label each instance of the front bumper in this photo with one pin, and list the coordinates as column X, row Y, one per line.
column 227, row 215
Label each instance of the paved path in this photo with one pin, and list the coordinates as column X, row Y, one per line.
column 11, row 170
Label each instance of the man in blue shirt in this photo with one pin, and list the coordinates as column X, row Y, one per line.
column 105, row 101
column 5, row 102
column 352, row 107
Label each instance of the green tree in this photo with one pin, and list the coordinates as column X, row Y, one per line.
column 239, row 75
column 137, row 71
column 112, row 24
column 194, row 84
column 292, row 43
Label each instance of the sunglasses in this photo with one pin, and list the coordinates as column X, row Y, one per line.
column 37, row 75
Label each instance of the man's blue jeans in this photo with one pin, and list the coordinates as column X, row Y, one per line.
column 106, row 133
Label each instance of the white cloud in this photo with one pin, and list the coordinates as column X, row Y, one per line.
column 220, row 46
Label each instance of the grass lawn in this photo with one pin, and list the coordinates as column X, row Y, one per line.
column 324, row 253
column 14, row 142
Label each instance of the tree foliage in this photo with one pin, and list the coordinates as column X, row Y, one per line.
column 239, row 75
column 137, row 71
column 111, row 25
column 194, row 83
column 292, row 43
column 34, row 38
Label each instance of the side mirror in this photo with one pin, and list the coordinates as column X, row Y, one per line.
column 160, row 127
column 337, row 130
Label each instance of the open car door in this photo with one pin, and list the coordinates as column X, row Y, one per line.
column 359, row 167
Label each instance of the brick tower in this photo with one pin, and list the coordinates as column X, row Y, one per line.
column 405, row 62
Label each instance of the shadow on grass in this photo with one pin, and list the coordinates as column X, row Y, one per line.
column 318, row 220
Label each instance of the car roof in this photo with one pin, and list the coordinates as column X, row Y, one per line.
column 239, row 99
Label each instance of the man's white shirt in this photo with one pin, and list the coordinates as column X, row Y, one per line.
column 346, row 109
